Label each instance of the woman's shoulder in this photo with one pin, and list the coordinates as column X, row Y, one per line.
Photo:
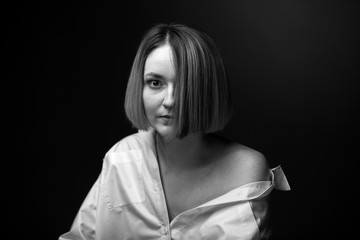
column 250, row 163
column 241, row 163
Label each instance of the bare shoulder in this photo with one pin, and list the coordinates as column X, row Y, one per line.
column 241, row 164
column 250, row 164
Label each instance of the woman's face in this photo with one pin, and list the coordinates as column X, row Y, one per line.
column 158, row 92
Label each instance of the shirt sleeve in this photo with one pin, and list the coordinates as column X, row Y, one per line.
column 83, row 227
column 260, row 208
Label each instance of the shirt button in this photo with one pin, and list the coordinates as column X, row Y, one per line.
column 164, row 230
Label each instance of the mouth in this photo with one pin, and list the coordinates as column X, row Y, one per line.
column 167, row 116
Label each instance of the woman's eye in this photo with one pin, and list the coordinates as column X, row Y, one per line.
column 155, row 83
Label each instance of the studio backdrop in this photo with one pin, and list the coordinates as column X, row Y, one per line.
column 293, row 67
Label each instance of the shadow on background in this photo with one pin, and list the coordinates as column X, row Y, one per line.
column 293, row 67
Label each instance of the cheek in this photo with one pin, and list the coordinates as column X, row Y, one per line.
column 150, row 104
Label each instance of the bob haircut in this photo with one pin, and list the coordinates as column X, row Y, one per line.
column 202, row 92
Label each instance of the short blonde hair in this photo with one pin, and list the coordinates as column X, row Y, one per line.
column 202, row 95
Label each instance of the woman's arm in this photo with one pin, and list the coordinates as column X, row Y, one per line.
column 83, row 227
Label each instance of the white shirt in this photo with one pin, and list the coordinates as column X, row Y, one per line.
column 127, row 202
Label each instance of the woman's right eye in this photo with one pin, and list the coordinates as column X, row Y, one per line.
column 154, row 83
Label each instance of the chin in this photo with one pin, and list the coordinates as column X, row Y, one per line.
column 167, row 133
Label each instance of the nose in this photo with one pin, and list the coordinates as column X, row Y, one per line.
column 168, row 101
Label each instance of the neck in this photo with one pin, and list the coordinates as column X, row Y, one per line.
column 180, row 154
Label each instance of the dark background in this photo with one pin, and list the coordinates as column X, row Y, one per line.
column 294, row 67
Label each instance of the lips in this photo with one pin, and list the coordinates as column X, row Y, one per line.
column 166, row 119
column 167, row 116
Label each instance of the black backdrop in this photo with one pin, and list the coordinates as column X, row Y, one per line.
column 293, row 67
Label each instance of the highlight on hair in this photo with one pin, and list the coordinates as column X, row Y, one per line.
column 202, row 93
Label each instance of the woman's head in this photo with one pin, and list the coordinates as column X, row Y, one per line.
column 194, row 82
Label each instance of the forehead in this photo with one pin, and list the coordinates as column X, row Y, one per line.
column 160, row 61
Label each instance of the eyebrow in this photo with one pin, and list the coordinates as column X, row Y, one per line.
column 155, row 75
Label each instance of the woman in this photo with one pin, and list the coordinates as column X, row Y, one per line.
column 175, row 179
